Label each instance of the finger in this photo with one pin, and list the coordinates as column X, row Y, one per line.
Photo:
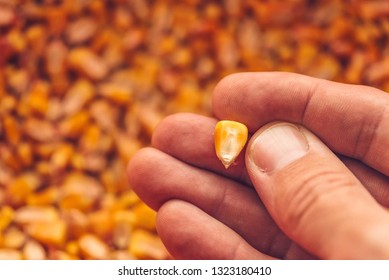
column 226, row 200
column 313, row 197
column 189, row 233
column 189, row 138
column 375, row 182
column 168, row 177
column 350, row 119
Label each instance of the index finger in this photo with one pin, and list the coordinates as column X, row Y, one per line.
column 352, row 120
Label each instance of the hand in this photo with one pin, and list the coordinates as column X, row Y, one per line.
column 311, row 185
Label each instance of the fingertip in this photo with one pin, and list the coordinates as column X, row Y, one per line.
column 256, row 98
column 163, row 129
column 138, row 168
column 171, row 228
column 189, row 233
column 165, row 134
column 221, row 92
column 137, row 161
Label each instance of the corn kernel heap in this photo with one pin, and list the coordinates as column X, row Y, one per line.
column 83, row 84
column 230, row 138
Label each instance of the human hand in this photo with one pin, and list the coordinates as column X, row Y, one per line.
column 291, row 196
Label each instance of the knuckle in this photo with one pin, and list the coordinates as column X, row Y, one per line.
column 313, row 193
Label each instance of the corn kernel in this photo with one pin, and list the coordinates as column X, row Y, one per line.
column 74, row 125
column 122, row 255
column 6, row 217
column 24, row 152
column 35, row 214
column 93, row 248
column 34, row 251
column 80, row 191
column 88, row 63
column 145, row 217
column 72, row 248
column 60, row 255
column 22, row 187
column 37, row 97
column 145, row 245
column 230, row 138
column 121, row 235
column 77, row 224
column 12, row 130
column 53, row 233
column 14, row 238
column 101, row 223
column 77, row 96
column 117, row 93
column 10, row 254
column 46, row 197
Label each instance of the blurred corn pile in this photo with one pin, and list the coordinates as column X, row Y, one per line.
column 83, row 84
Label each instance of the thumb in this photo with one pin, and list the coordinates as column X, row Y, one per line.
column 313, row 197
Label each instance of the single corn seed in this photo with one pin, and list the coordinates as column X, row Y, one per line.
column 101, row 223
column 6, row 217
column 93, row 248
column 10, row 254
column 145, row 217
column 13, row 238
column 34, row 251
column 27, row 215
column 230, row 138
column 53, row 233
column 121, row 235
column 122, row 255
column 72, row 248
column 60, row 255
column 144, row 245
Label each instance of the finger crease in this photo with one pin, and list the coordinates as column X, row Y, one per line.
column 311, row 92
column 220, row 202
column 366, row 135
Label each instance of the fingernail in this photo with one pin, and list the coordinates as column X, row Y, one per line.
column 278, row 146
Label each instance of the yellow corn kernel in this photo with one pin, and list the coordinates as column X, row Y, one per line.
column 53, row 233
column 33, row 250
column 12, row 130
column 22, row 187
column 6, row 217
column 37, row 98
column 61, row 156
column 117, row 93
column 92, row 247
column 10, row 254
column 101, row 223
column 25, row 154
column 121, row 235
column 27, row 215
column 230, row 138
column 77, row 224
column 144, row 245
column 44, row 198
column 72, row 248
column 14, row 238
column 86, row 62
column 60, row 255
column 122, row 255
column 75, row 125
column 145, row 216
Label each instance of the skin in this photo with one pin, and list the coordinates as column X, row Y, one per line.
column 329, row 204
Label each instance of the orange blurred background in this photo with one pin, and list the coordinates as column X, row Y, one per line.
column 84, row 83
